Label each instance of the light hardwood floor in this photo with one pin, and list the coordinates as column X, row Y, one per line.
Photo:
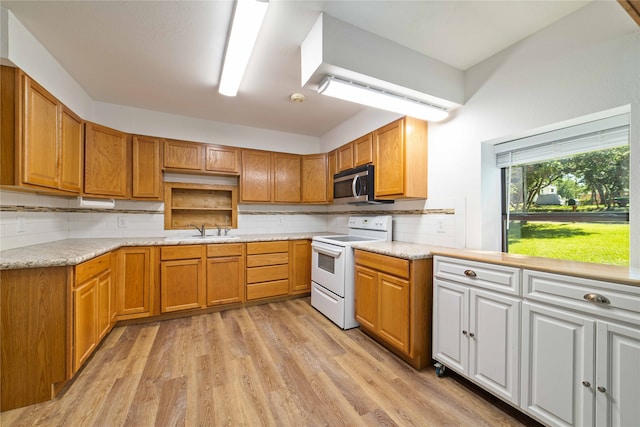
column 280, row 364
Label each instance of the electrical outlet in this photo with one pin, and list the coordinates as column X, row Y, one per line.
column 122, row 222
column 440, row 227
column 20, row 225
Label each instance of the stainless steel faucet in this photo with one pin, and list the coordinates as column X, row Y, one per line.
column 201, row 230
column 226, row 225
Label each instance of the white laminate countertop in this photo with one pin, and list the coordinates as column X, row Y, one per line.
column 413, row 251
column 74, row 251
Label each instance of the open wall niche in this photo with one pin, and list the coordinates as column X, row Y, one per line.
column 209, row 204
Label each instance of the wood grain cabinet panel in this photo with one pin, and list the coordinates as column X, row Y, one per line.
column 135, row 272
column 366, row 297
column 183, row 155
column 314, row 178
column 299, row 266
column 72, row 151
column 256, row 178
column 182, row 278
column 267, row 272
column 286, row 178
column 146, row 168
column 85, row 320
column 225, row 160
column 400, row 153
column 107, row 162
column 345, row 157
column 363, row 150
column 332, row 169
column 225, row 273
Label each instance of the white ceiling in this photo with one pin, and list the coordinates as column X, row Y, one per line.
column 166, row 55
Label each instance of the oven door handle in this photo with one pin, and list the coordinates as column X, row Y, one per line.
column 326, row 251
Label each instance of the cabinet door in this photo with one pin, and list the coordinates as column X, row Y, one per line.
column 181, row 285
column 450, row 325
column 617, row 386
column 314, row 178
column 40, row 147
column 85, row 318
column 332, row 160
column 345, row 157
column 106, row 161
column 134, row 282
column 222, row 159
column 494, row 326
column 390, row 158
column 104, row 304
column 225, row 280
column 286, row 178
column 366, row 297
column 300, row 266
column 183, row 155
column 558, row 366
column 72, row 151
column 393, row 311
column 146, row 168
column 255, row 180
column 363, row 150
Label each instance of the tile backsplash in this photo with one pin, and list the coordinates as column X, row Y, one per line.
column 28, row 219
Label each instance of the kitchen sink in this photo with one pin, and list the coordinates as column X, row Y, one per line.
column 201, row 239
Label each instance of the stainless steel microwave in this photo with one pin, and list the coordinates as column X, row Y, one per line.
column 356, row 186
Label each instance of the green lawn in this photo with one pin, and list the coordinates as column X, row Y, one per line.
column 603, row 243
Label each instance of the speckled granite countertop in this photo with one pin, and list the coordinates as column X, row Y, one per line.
column 411, row 251
column 75, row 251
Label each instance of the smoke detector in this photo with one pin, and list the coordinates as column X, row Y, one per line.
column 297, row 98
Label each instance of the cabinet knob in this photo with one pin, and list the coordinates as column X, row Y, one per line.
column 597, row 298
column 470, row 273
column 602, row 389
column 586, row 384
column 471, row 334
column 464, row 332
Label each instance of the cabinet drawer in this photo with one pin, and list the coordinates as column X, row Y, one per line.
column 267, row 247
column 265, row 274
column 267, row 259
column 488, row 276
column 269, row 289
column 622, row 301
column 180, row 252
column 224, row 249
column 90, row 268
column 387, row 264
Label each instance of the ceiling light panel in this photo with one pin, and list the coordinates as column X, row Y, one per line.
column 247, row 20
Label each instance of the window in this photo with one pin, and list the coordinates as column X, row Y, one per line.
column 566, row 193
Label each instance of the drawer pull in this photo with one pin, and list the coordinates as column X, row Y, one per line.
column 464, row 332
column 596, row 298
column 586, row 384
column 602, row 389
column 470, row 273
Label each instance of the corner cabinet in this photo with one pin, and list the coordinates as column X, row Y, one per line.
column 400, row 159
column 107, row 162
column 393, row 304
column 314, row 178
column 270, row 177
column 213, row 205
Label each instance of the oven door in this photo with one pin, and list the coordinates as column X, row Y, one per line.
column 328, row 266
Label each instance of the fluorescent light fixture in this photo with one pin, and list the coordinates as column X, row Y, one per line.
column 377, row 98
column 247, row 20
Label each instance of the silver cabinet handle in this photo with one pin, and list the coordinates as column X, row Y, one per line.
column 464, row 332
column 597, row 298
column 470, row 273
column 602, row 389
column 471, row 334
column 586, row 384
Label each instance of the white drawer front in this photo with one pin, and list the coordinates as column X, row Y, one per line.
column 610, row 300
column 483, row 275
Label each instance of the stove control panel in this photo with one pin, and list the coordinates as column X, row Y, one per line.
column 382, row 222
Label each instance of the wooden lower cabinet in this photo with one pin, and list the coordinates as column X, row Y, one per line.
column 134, row 282
column 267, row 272
column 92, row 313
column 393, row 304
column 299, row 266
column 225, row 273
column 182, row 278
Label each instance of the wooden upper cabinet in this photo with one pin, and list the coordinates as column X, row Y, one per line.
column 286, row 178
column 332, row 169
column 40, row 141
column 255, row 180
column 107, row 162
column 146, row 168
column 314, row 178
column 72, row 151
column 400, row 152
column 345, row 157
column 363, row 150
column 183, row 155
column 222, row 159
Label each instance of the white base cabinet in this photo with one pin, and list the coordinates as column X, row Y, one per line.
column 476, row 332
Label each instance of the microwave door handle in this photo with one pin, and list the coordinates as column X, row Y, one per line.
column 326, row 251
column 354, row 183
